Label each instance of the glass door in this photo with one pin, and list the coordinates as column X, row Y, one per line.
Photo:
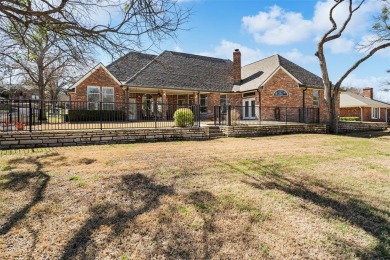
column 249, row 107
column 132, row 109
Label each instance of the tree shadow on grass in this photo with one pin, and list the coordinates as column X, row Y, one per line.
column 142, row 195
column 176, row 239
column 352, row 210
column 36, row 180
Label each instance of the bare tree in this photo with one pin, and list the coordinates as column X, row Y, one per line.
column 381, row 41
column 113, row 25
column 41, row 56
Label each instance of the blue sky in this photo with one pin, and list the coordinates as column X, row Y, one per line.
column 261, row 28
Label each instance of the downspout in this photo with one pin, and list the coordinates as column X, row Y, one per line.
column 361, row 114
column 303, row 104
column 258, row 90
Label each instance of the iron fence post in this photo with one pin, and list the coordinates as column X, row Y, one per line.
column 219, row 115
column 229, row 111
column 286, row 115
column 260, row 114
column 10, row 112
column 215, row 115
column 198, row 112
column 100, row 115
column 318, row 115
column 155, row 114
column 30, row 114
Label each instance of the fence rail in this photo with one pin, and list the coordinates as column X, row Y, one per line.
column 254, row 115
column 41, row 115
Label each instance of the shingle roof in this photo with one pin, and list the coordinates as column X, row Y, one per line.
column 255, row 74
column 349, row 99
column 173, row 70
column 126, row 66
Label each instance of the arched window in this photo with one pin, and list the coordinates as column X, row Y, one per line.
column 280, row 93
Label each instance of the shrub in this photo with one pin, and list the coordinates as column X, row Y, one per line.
column 183, row 117
column 350, row 118
column 96, row 115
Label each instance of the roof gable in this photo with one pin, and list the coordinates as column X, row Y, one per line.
column 100, row 65
column 185, row 71
column 256, row 74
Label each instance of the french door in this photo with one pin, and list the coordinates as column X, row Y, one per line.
column 249, row 108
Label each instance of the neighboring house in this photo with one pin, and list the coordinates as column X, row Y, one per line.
column 20, row 91
column 141, row 80
column 365, row 107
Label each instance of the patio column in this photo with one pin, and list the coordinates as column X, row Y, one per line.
column 164, row 104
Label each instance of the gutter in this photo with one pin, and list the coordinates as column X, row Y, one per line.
column 303, row 104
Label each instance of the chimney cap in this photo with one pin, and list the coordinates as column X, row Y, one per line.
column 237, row 50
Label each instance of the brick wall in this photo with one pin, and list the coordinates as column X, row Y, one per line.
column 98, row 78
column 350, row 112
column 366, row 111
column 73, row 138
column 347, row 127
column 242, row 131
column 281, row 80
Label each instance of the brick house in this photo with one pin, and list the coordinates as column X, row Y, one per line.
column 365, row 107
column 142, row 81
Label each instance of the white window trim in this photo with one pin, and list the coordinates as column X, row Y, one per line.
column 372, row 113
column 88, row 88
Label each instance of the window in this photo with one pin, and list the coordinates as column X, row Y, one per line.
column 316, row 98
column 191, row 100
column 182, row 100
column 108, row 98
column 223, row 102
column 93, row 97
column 375, row 113
column 280, row 93
column 203, row 103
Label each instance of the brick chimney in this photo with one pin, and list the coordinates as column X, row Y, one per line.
column 368, row 93
column 237, row 66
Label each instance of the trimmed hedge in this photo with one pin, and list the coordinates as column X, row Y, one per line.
column 96, row 115
column 183, row 117
column 350, row 118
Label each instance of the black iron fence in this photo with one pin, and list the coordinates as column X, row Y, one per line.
column 41, row 115
column 253, row 115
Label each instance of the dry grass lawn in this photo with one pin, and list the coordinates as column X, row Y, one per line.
column 295, row 196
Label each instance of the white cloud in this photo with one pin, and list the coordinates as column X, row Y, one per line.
column 225, row 51
column 279, row 27
column 298, row 57
column 341, row 45
column 375, row 82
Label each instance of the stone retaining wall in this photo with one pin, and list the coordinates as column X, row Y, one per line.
column 15, row 140
column 348, row 127
column 238, row 131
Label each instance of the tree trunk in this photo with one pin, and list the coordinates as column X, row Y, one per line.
column 333, row 117
column 41, row 87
